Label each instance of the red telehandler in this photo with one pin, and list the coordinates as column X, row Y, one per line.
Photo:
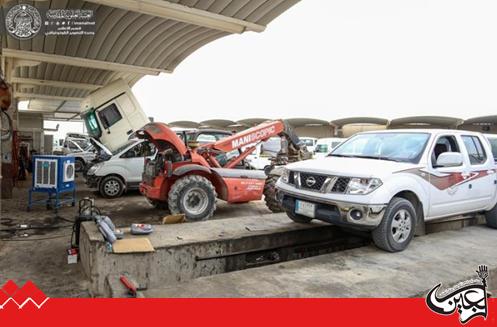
column 188, row 178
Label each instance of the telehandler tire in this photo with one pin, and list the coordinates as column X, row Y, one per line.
column 270, row 195
column 193, row 195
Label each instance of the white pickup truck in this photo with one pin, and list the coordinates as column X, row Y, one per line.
column 391, row 182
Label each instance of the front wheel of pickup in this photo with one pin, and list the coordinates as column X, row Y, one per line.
column 491, row 217
column 396, row 230
column 298, row 218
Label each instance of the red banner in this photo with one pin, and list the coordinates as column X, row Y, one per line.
column 233, row 312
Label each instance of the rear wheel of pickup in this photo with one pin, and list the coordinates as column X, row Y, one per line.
column 396, row 230
column 193, row 195
column 491, row 217
column 298, row 218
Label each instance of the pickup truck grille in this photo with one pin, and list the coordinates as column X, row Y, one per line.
column 312, row 181
column 319, row 183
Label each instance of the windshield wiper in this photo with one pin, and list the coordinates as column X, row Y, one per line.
column 378, row 158
column 364, row 157
column 340, row 155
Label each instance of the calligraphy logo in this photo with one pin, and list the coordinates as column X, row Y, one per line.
column 23, row 21
column 469, row 298
column 10, row 293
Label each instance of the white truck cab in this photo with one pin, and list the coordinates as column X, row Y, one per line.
column 112, row 114
column 390, row 182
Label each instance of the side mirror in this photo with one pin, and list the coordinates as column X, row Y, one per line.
column 449, row 159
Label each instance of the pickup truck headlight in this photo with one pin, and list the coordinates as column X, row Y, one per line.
column 93, row 169
column 285, row 176
column 362, row 186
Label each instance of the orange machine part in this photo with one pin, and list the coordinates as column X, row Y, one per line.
column 243, row 189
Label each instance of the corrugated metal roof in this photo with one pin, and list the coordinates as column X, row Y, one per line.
column 427, row 120
column 360, row 120
column 142, row 36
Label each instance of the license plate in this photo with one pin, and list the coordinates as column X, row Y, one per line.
column 305, row 208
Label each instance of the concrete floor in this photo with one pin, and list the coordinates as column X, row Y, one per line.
column 447, row 257
column 44, row 261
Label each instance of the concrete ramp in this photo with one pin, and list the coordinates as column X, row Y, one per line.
column 187, row 251
column 446, row 257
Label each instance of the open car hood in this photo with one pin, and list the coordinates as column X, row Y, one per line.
column 100, row 146
column 162, row 136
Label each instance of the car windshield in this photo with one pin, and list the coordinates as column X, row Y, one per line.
column 123, row 147
column 401, row 147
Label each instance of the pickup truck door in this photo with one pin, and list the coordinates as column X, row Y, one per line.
column 448, row 192
column 481, row 176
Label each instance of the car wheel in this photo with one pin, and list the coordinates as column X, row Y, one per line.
column 193, row 195
column 79, row 165
column 270, row 195
column 298, row 218
column 396, row 230
column 111, row 187
column 491, row 217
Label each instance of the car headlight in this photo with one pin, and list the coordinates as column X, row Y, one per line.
column 93, row 169
column 363, row 185
column 285, row 176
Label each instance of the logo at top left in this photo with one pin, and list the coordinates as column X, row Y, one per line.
column 23, row 21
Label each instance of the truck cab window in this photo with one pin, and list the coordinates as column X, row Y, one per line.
column 447, row 143
column 493, row 144
column 476, row 152
column 92, row 125
column 109, row 115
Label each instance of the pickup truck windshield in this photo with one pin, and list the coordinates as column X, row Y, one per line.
column 401, row 147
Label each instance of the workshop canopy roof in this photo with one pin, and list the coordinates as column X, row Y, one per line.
column 303, row 122
column 420, row 121
column 133, row 38
column 359, row 121
column 219, row 123
column 484, row 120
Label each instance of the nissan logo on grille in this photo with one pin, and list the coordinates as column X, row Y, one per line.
column 310, row 181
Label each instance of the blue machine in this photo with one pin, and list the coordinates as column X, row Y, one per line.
column 54, row 176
